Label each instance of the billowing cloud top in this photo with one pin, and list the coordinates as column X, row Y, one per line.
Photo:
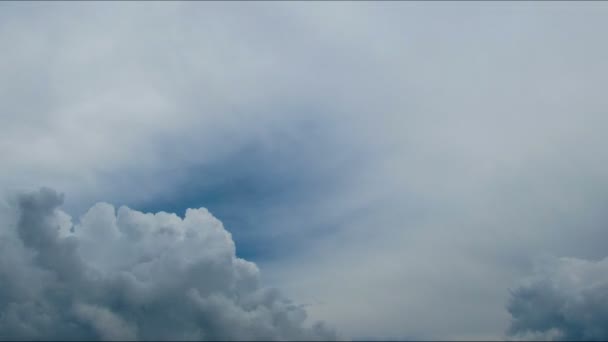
column 566, row 300
column 130, row 275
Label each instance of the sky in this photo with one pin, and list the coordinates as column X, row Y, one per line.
column 303, row 170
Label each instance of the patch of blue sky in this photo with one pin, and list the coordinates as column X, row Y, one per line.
column 256, row 186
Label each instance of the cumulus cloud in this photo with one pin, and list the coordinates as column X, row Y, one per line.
column 566, row 300
column 128, row 275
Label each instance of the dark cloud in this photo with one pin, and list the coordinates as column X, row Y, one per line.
column 566, row 300
column 127, row 275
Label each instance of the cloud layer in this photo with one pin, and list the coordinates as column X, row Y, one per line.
column 355, row 150
column 127, row 275
column 566, row 300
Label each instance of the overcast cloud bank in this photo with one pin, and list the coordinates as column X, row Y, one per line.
column 396, row 165
column 128, row 275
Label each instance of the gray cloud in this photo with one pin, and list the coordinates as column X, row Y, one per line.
column 127, row 275
column 443, row 153
column 566, row 300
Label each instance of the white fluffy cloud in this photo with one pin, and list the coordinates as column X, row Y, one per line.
column 566, row 300
column 130, row 275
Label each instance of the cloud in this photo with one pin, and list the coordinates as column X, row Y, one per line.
column 566, row 300
column 427, row 153
column 129, row 275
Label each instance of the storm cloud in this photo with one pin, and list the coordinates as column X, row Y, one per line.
column 128, row 275
column 566, row 300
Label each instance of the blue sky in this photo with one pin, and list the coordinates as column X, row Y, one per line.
column 402, row 169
